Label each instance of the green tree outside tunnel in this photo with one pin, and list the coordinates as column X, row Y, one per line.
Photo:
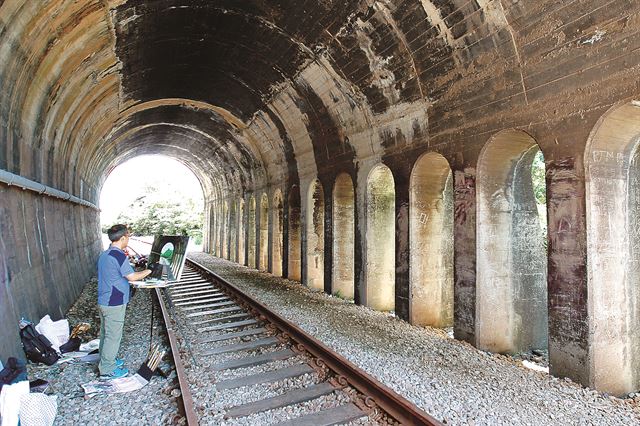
column 163, row 211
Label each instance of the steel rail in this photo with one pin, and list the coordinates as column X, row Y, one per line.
column 186, row 398
column 389, row 401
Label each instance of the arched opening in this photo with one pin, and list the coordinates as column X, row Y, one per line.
column 315, row 236
column 212, row 229
column 156, row 194
column 241, row 232
column 278, row 231
column 343, row 237
column 431, row 242
column 233, row 232
column 264, row 233
column 380, row 240
column 224, row 231
column 219, row 229
column 613, row 250
column 295, row 237
column 251, row 224
column 511, row 288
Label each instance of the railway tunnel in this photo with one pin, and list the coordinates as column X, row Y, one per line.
column 379, row 150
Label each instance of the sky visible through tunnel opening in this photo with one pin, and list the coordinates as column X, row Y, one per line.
column 150, row 191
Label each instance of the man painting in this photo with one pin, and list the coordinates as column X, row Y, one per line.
column 114, row 274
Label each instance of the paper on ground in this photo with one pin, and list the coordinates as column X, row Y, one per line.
column 534, row 366
column 90, row 346
column 71, row 356
column 124, row 384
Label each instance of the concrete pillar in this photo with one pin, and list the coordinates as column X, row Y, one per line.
column 431, row 242
column 343, row 239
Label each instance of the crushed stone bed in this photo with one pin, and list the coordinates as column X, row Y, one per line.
column 212, row 404
column 451, row 380
column 152, row 405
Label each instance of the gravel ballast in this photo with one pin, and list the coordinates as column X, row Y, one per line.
column 151, row 405
column 212, row 400
column 449, row 379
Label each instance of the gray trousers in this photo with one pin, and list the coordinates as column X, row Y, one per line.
column 111, row 325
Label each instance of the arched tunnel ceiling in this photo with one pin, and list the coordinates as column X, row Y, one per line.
column 248, row 93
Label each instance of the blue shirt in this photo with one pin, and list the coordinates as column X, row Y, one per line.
column 113, row 287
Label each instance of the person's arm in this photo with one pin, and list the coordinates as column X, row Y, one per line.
column 137, row 276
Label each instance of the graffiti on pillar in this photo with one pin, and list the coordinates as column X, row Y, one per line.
column 465, row 195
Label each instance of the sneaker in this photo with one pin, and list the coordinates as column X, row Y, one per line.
column 119, row 363
column 118, row 373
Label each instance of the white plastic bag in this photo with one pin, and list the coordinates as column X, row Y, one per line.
column 10, row 402
column 38, row 409
column 57, row 332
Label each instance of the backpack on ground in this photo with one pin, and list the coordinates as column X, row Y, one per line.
column 37, row 347
column 15, row 371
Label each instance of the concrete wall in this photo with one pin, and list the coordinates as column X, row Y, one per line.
column 48, row 251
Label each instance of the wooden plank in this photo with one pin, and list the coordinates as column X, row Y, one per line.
column 204, row 296
column 220, row 311
column 244, row 346
column 210, row 305
column 185, row 283
column 200, row 287
column 229, row 325
column 199, row 314
column 252, row 361
column 194, row 293
column 191, row 279
column 189, row 287
column 333, row 416
column 267, row 377
column 205, row 300
column 295, row 396
column 229, row 336
column 227, row 318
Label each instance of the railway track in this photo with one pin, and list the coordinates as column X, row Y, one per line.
column 263, row 362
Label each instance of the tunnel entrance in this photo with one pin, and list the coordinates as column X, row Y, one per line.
column 380, row 240
column 431, row 242
column 343, row 237
column 511, row 304
column 153, row 194
column 315, row 237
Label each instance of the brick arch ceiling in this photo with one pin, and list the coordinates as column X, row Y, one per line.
column 241, row 91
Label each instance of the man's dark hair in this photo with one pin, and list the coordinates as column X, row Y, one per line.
column 116, row 232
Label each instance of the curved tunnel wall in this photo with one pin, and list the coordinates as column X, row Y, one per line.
column 260, row 96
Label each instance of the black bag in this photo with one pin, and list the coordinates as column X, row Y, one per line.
column 15, row 371
column 72, row 345
column 37, row 347
column 156, row 270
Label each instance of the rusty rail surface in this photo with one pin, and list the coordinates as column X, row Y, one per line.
column 187, row 400
column 385, row 398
